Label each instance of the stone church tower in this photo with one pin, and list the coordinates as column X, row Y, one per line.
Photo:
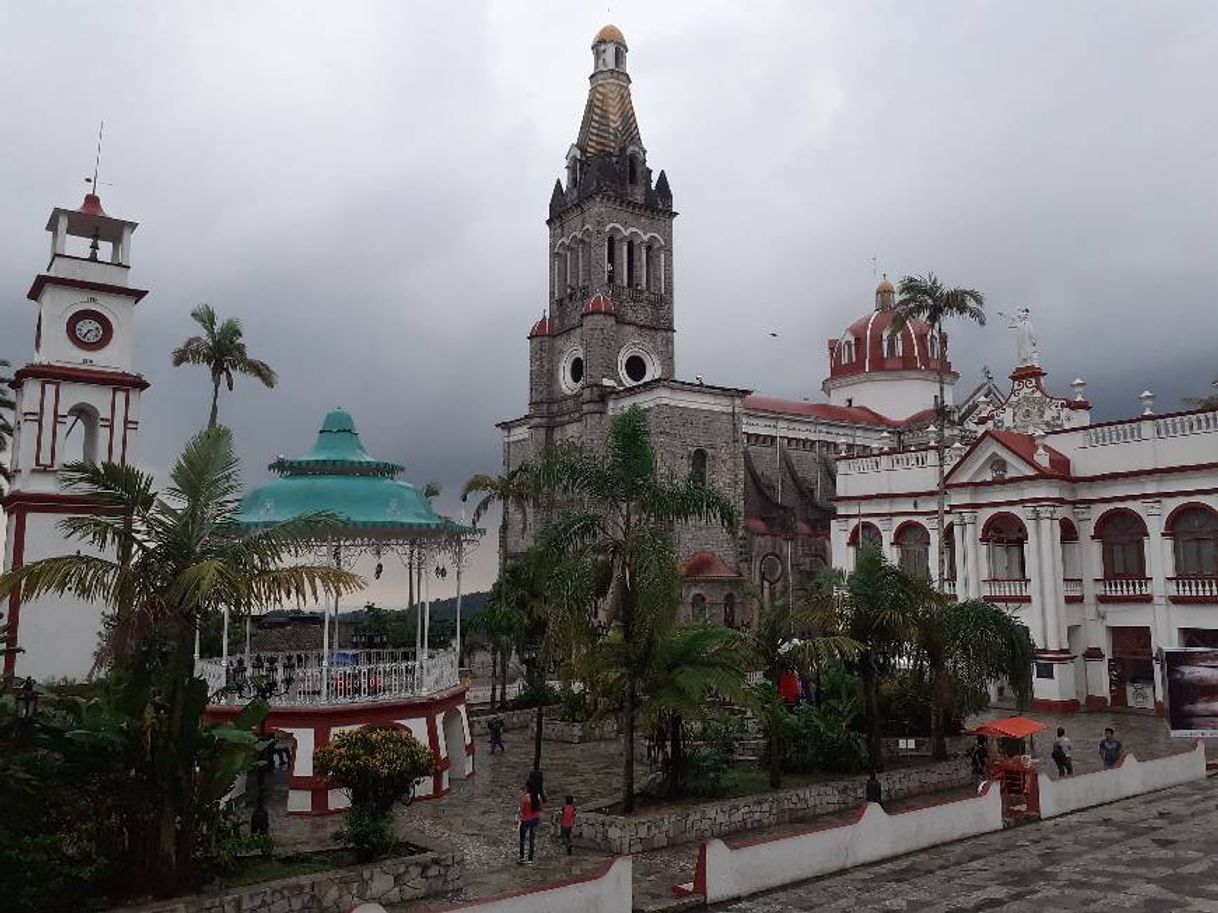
column 609, row 319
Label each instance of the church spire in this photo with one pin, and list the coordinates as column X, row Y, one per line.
column 609, row 126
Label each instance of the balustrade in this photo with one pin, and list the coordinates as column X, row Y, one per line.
column 1196, row 587
column 1123, row 587
column 1072, row 587
column 1006, row 589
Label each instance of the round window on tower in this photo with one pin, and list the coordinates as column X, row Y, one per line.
column 636, row 365
column 571, row 370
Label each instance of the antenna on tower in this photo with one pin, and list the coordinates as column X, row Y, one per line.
column 873, row 268
column 97, row 159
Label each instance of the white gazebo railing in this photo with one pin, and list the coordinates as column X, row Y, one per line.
column 315, row 684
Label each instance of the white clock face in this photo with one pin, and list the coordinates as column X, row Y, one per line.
column 89, row 331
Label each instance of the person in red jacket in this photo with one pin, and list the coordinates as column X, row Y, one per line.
column 529, row 818
column 567, row 823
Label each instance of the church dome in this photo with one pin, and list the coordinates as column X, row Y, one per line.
column 610, row 33
column 872, row 344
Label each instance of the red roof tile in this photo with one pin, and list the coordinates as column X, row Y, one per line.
column 704, row 564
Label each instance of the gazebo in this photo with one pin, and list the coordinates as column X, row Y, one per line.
column 371, row 514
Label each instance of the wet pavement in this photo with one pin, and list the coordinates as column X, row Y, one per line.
column 477, row 818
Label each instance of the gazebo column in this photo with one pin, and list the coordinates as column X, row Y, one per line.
column 460, row 561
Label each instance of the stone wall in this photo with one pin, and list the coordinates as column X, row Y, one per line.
column 555, row 730
column 389, row 881
column 643, row 831
column 512, row 720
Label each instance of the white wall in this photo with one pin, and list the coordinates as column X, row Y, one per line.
column 760, row 866
column 608, row 890
column 1132, row 777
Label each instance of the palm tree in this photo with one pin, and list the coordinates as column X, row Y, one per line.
column 7, row 404
column 872, row 606
column 966, row 646
column 514, row 490
column 789, row 639
column 927, row 298
column 175, row 559
column 619, row 515
column 695, row 662
column 221, row 349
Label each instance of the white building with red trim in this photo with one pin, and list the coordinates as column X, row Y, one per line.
column 1103, row 537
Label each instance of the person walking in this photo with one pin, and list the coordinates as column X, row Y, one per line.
column 495, row 728
column 1110, row 749
column 528, row 819
column 566, row 823
column 1062, row 750
column 980, row 758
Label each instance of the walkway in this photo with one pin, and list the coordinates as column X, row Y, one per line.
column 1158, row 852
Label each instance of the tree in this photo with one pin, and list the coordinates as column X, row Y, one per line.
column 7, row 404
column 966, row 646
column 221, row 349
column 618, row 513
column 378, row 767
column 695, row 662
column 789, row 639
column 872, row 606
column 514, row 490
column 1192, row 402
column 927, row 298
column 176, row 556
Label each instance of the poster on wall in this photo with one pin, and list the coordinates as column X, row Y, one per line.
column 1192, row 691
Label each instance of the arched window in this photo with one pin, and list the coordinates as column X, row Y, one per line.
column 632, row 168
column 847, row 348
column 892, row 345
column 1195, row 534
column 697, row 607
column 610, row 260
column 729, row 610
column 913, row 549
column 80, row 438
column 1006, row 536
column 949, row 552
column 932, row 346
column 1069, row 537
column 619, row 59
column 630, row 268
column 1123, row 534
column 697, row 467
column 869, row 533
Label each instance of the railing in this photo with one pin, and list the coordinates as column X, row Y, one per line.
column 1193, row 423
column 1165, row 427
column 1194, row 587
column 635, row 293
column 1006, row 589
column 1122, row 587
column 312, row 659
column 1072, row 587
column 900, row 459
column 345, row 684
column 947, row 587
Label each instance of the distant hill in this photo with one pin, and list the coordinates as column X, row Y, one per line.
column 472, row 605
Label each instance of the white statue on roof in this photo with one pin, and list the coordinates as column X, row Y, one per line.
column 1027, row 347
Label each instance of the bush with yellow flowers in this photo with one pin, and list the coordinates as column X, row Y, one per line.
column 378, row 766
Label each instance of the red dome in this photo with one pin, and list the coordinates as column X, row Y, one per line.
column 868, row 346
column 540, row 328
column 599, row 304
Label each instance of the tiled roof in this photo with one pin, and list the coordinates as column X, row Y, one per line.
column 704, row 564
column 608, row 125
column 1024, row 445
column 857, row 415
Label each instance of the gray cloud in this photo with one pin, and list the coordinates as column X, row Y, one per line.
column 366, row 184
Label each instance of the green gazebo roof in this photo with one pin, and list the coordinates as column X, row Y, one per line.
column 339, row 477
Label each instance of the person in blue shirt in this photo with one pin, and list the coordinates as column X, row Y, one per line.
column 1110, row 749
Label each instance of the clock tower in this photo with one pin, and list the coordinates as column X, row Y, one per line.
column 78, row 399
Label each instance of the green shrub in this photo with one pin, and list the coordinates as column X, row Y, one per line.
column 378, row 766
column 823, row 738
column 573, row 706
column 535, row 695
column 368, row 832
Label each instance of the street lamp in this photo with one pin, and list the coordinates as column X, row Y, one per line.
column 270, row 680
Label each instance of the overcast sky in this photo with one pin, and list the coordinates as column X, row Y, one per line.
column 365, row 185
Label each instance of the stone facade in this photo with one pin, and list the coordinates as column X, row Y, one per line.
column 390, row 881
column 642, row 832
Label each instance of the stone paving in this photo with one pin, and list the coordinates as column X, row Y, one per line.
column 1157, row 852
column 477, row 817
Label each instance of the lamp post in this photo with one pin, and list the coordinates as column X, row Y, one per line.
column 269, row 680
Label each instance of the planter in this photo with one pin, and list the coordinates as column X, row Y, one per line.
column 684, row 824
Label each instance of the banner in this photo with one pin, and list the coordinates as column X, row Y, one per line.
column 1192, row 692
